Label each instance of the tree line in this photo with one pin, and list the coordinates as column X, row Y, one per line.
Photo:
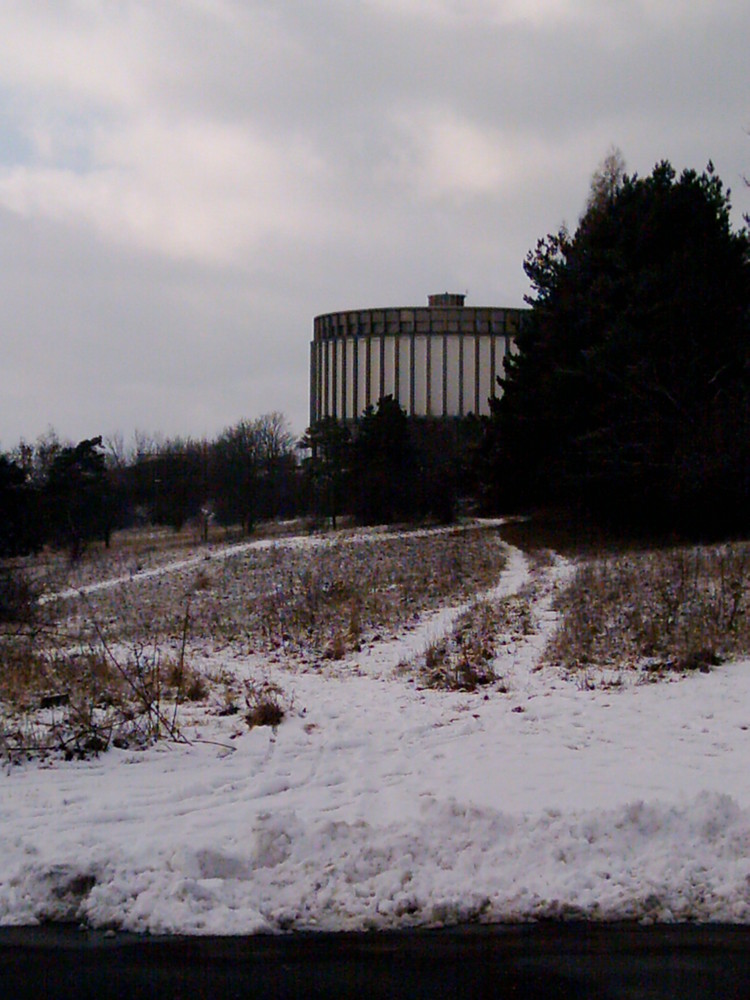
column 66, row 495
column 383, row 469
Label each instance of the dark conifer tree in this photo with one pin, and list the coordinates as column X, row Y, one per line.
column 327, row 466
column 630, row 391
column 78, row 498
column 384, row 470
column 20, row 523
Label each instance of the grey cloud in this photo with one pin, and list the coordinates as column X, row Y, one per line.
column 216, row 173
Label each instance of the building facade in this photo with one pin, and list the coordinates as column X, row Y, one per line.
column 440, row 360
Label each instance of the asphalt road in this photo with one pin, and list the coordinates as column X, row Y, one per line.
column 550, row 960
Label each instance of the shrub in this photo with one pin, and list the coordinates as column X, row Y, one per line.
column 264, row 702
column 18, row 598
column 79, row 702
column 184, row 680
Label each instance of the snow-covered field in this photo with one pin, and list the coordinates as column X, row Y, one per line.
column 379, row 804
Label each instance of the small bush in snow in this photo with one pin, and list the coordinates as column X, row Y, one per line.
column 264, row 703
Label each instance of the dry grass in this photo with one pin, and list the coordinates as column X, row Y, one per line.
column 311, row 603
column 135, row 550
column 327, row 604
column 462, row 660
column 677, row 608
column 112, row 667
column 80, row 701
column 265, row 704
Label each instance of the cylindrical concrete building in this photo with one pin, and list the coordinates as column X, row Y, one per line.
column 441, row 360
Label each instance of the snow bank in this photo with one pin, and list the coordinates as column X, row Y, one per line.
column 379, row 805
column 452, row 863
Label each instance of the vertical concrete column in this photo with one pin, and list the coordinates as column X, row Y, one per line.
column 460, row 374
column 493, row 365
column 313, row 382
column 320, row 363
column 412, row 386
column 355, row 376
column 445, row 375
column 368, row 370
column 334, row 347
column 476, row 373
column 397, row 368
column 381, row 390
column 428, row 378
column 344, row 347
column 331, row 375
column 326, row 378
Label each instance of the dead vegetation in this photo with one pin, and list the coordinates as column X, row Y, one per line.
column 462, row 659
column 142, row 550
column 265, row 704
column 68, row 690
column 79, row 702
column 311, row 603
column 671, row 609
column 113, row 667
column 466, row 657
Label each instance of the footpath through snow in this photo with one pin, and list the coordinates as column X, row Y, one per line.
column 377, row 804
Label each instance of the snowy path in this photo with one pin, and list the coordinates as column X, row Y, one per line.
column 378, row 804
column 381, row 659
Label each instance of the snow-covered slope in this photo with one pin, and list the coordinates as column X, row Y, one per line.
column 378, row 804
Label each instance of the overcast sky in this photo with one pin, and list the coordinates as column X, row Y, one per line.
column 184, row 184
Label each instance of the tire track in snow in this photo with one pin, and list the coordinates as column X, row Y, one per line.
column 383, row 658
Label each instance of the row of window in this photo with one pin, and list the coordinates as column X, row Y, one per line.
column 391, row 322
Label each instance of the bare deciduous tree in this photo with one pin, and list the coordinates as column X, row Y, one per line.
column 606, row 180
